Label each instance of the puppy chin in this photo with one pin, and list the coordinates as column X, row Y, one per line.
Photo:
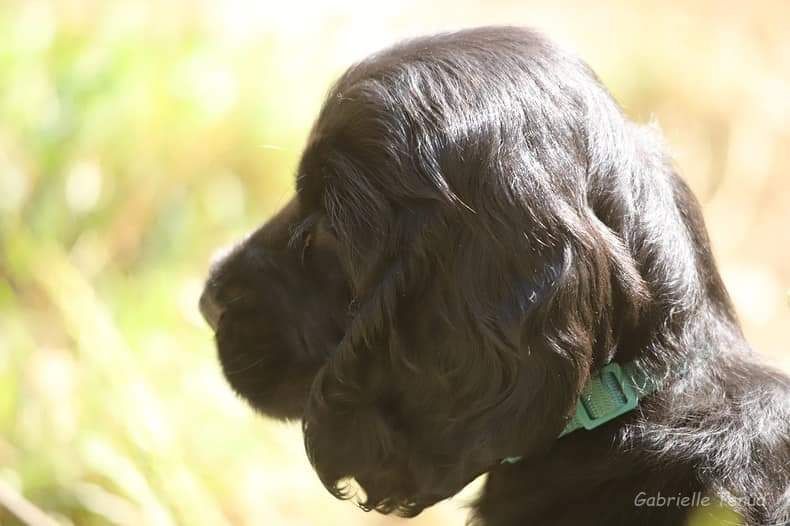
column 248, row 353
column 269, row 358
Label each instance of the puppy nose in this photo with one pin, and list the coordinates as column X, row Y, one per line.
column 210, row 307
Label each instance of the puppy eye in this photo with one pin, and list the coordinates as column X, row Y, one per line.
column 308, row 241
column 329, row 227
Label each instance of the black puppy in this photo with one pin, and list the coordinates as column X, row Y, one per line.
column 479, row 238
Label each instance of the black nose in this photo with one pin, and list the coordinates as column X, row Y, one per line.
column 210, row 307
column 210, row 303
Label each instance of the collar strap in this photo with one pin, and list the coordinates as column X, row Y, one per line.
column 611, row 391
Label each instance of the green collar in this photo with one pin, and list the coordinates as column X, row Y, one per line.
column 611, row 391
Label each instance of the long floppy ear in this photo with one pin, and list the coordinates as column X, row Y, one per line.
column 486, row 286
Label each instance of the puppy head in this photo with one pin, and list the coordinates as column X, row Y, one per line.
column 491, row 229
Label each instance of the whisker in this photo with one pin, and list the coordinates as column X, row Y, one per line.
column 237, row 298
column 246, row 367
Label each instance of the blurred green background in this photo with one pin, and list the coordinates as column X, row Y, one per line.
column 138, row 136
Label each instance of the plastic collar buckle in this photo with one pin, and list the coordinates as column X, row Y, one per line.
column 622, row 395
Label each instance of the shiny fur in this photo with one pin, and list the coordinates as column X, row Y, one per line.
column 477, row 227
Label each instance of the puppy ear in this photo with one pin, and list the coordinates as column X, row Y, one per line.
column 469, row 343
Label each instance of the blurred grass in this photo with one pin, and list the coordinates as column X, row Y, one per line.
column 138, row 136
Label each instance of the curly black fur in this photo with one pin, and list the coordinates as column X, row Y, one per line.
column 477, row 228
